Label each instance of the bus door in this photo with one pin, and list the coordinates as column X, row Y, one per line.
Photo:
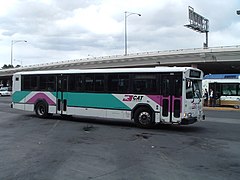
column 61, row 94
column 171, row 97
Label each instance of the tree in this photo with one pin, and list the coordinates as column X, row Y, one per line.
column 7, row 66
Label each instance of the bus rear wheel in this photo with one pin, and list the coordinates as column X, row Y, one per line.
column 41, row 109
column 143, row 117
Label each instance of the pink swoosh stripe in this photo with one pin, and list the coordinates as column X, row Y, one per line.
column 156, row 98
column 40, row 96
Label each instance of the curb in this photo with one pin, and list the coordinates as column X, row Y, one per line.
column 221, row 109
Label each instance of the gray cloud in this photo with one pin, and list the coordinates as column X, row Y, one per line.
column 75, row 4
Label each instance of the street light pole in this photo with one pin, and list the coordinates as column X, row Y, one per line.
column 12, row 43
column 125, row 32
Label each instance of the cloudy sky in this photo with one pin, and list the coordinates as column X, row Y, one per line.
column 57, row 30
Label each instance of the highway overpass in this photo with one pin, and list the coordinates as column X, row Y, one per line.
column 225, row 59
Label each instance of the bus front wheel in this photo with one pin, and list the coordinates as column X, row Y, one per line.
column 41, row 109
column 143, row 117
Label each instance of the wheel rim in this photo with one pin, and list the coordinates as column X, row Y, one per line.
column 41, row 110
column 144, row 118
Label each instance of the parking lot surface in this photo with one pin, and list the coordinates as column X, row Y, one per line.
column 79, row 148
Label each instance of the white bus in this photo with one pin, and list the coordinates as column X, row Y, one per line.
column 226, row 88
column 167, row 95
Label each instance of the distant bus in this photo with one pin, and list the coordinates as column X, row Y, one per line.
column 147, row 96
column 226, row 88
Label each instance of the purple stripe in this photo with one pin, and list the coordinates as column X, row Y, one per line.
column 41, row 96
column 156, row 98
column 159, row 100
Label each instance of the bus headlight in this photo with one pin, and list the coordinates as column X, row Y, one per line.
column 187, row 115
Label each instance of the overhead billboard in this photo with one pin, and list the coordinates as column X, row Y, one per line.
column 197, row 22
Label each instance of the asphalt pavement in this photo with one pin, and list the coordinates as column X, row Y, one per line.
column 79, row 148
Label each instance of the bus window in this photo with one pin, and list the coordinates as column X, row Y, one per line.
column 47, row 83
column 30, row 83
column 118, row 83
column 89, row 82
column 99, row 82
column 145, row 83
column 79, row 82
column 193, row 89
column 113, row 82
column 72, row 82
column 177, row 87
column 124, row 83
column 238, row 89
column 166, row 87
column 229, row 89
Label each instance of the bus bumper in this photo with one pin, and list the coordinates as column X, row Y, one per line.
column 189, row 120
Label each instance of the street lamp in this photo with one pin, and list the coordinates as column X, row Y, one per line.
column 12, row 43
column 125, row 19
column 238, row 12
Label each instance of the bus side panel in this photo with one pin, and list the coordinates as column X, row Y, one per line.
column 19, row 99
column 90, row 112
column 135, row 100
column 100, row 113
column 95, row 100
column 229, row 101
column 98, row 105
column 27, row 99
column 16, row 83
column 116, row 106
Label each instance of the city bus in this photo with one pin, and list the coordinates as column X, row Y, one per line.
column 146, row 96
column 226, row 88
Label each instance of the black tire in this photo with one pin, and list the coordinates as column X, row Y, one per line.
column 41, row 109
column 143, row 117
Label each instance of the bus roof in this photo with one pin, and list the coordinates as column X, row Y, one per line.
column 222, row 76
column 111, row 70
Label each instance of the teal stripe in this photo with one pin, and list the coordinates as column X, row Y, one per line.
column 19, row 95
column 94, row 100
column 91, row 100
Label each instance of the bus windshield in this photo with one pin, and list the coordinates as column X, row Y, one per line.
column 193, row 89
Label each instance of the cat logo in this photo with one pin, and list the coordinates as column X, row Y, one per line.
column 128, row 97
